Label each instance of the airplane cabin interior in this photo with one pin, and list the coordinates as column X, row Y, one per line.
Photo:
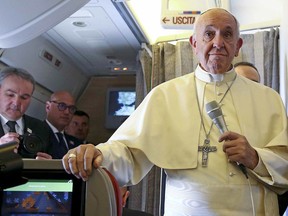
column 98, row 48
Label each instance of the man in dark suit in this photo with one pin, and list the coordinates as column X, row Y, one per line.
column 31, row 134
column 60, row 109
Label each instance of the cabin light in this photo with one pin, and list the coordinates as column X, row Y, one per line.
column 120, row 69
column 79, row 24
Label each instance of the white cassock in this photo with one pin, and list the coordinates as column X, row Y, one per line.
column 166, row 130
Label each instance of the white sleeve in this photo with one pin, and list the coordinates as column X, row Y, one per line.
column 129, row 166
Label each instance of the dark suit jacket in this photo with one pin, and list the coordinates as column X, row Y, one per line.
column 56, row 151
column 283, row 203
column 131, row 212
column 37, row 141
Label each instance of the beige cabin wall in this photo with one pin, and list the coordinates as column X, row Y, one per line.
column 93, row 101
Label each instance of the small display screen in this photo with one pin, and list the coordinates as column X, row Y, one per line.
column 121, row 103
column 38, row 197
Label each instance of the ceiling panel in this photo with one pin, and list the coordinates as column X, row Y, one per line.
column 98, row 40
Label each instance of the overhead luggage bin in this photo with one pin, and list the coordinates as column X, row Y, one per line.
column 21, row 21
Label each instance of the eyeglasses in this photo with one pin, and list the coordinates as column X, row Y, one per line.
column 62, row 106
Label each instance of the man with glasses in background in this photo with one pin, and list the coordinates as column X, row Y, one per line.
column 60, row 109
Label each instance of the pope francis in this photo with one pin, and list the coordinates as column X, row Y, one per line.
column 171, row 129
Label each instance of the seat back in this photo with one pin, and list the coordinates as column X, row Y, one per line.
column 117, row 192
column 103, row 196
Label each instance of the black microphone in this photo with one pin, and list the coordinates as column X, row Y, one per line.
column 215, row 113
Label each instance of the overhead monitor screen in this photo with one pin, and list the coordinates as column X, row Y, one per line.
column 120, row 103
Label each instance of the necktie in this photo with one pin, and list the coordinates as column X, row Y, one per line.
column 11, row 125
column 62, row 148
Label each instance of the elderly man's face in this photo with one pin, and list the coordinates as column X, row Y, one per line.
column 15, row 97
column 216, row 41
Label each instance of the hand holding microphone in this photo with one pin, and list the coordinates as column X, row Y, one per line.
column 215, row 113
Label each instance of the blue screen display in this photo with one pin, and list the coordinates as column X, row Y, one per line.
column 121, row 103
column 41, row 198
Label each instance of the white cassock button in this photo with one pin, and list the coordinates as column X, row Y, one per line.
column 219, row 93
column 231, row 174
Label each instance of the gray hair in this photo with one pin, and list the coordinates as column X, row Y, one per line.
column 236, row 21
column 18, row 72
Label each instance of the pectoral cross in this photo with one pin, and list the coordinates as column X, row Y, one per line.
column 205, row 149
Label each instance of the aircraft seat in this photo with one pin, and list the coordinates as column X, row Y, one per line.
column 117, row 192
column 103, row 195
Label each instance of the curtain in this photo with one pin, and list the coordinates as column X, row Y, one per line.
column 167, row 61
column 262, row 49
column 284, row 55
